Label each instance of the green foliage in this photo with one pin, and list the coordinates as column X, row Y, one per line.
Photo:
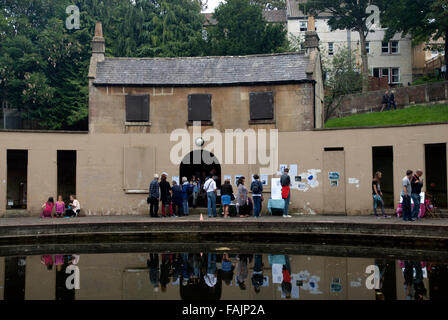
column 241, row 29
column 271, row 4
column 411, row 115
column 342, row 78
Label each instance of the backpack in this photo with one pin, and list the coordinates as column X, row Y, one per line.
column 256, row 188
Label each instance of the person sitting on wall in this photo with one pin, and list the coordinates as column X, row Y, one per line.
column 73, row 207
column 47, row 207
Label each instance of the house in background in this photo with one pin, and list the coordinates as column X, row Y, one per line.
column 391, row 60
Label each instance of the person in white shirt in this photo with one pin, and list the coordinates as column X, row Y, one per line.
column 210, row 188
column 75, row 206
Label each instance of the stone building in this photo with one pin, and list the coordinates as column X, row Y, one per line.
column 139, row 110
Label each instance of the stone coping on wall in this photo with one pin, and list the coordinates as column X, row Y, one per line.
column 385, row 126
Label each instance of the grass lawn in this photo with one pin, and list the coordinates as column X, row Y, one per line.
column 411, row 115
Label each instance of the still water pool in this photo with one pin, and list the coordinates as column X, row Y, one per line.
column 220, row 274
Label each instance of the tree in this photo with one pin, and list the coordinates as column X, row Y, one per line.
column 351, row 15
column 422, row 19
column 341, row 79
column 241, row 29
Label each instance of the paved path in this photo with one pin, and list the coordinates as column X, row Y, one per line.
column 30, row 221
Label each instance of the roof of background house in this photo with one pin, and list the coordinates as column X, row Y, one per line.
column 273, row 16
column 293, row 11
column 203, row 71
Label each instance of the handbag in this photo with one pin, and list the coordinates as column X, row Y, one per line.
column 148, row 200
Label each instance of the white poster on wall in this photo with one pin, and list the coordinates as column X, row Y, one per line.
column 175, row 178
column 276, row 188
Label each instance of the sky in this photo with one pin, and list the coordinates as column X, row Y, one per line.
column 212, row 4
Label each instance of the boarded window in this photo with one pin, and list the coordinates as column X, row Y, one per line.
column 137, row 108
column 261, row 106
column 199, row 107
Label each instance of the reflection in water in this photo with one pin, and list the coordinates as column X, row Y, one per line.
column 218, row 275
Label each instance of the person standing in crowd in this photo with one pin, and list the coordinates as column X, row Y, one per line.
column 196, row 188
column 177, row 201
column 406, row 195
column 211, row 277
column 186, row 192
column 416, row 189
column 392, row 101
column 377, row 194
column 154, row 196
column 210, row 188
column 154, row 271
column 257, row 194
column 285, row 181
column 165, row 195
column 226, row 196
column 385, row 101
column 243, row 199
column 59, row 207
column 47, row 207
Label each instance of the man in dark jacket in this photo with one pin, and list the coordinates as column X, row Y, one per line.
column 392, row 101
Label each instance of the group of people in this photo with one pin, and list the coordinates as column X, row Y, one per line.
column 388, row 100
column 51, row 209
column 211, row 270
column 175, row 198
column 411, row 187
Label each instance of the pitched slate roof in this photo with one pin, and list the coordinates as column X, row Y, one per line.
column 203, row 71
column 273, row 16
column 293, row 10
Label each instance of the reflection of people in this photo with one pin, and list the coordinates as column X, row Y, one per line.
column 414, row 286
column 227, row 268
column 153, row 265
column 257, row 275
column 58, row 261
column 47, row 259
column 165, row 270
column 286, row 282
column 242, row 270
column 211, row 277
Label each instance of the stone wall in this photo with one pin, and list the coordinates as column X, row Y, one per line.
column 371, row 101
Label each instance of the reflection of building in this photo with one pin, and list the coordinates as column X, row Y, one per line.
column 135, row 105
column 391, row 60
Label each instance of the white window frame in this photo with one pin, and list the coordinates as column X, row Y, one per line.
column 330, row 48
column 398, row 47
column 392, row 75
column 368, row 47
column 383, row 46
column 305, row 23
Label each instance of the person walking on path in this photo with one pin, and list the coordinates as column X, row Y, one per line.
column 285, row 181
column 392, row 101
column 186, row 193
column 154, row 196
column 385, row 101
column 210, row 188
column 406, row 195
column 377, row 194
column 243, row 199
column 47, row 207
column 416, row 189
column 226, row 196
column 165, row 196
column 257, row 194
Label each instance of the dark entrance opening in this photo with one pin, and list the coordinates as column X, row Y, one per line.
column 14, row 278
column 383, row 160
column 66, row 173
column 193, row 164
column 16, row 187
column 436, row 173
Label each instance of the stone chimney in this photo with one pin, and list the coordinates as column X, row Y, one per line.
column 311, row 41
column 98, row 49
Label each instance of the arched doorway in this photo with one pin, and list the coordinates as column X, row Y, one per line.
column 193, row 164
